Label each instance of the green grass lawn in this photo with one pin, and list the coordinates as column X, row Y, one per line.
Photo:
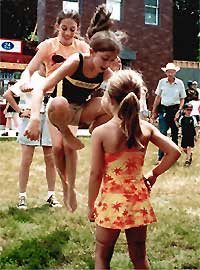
column 42, row 237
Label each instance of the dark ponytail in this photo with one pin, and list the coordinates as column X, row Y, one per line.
column 100, row 21
column 99, row 35
column 129, row 114
column 125, row 87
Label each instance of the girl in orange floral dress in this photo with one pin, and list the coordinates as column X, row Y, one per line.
column 118, row 152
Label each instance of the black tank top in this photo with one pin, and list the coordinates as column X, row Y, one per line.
column 77, row 88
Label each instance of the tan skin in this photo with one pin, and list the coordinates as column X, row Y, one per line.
column 65, row 157
column 101, row 144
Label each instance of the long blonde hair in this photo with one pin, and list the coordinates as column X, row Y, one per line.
column 125, row 87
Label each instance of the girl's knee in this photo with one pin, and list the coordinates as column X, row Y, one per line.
column 58, row 104
column 26, row 162
column 58, row 150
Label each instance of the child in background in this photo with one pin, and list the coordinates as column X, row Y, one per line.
column 11, row 114
column 81, row 75
column 28, row 146
column 188, row 124
column 196, row 109
column 117, row 165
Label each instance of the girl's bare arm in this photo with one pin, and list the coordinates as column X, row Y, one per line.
column 96, row 171
column 8, row 95
column 171, row 150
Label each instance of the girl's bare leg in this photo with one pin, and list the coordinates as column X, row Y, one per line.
column 136, row 239
column 26, row 160
column 66, row 164
column 8, row 123
column 60, row 115
column 94, row 114
column 105, row 243
column 71, row 166
column 50, row 167
column 15, row 120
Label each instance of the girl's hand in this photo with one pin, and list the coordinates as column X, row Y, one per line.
column 26, row 87
column 91, row 214
column 149, row 180
column 5, row 111
column 196, row 138
column 32, row 131
column 25, row 113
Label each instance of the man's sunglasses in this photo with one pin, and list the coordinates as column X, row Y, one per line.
column 188, row 109
column 58, row 58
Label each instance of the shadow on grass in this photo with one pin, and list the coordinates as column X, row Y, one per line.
column 37, row 253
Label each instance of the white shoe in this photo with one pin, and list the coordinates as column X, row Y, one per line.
column 22, row 203
column 53, row 202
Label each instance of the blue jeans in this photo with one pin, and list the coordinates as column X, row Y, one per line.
column 166, row 122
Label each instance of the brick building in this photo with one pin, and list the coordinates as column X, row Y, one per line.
column 148, row 23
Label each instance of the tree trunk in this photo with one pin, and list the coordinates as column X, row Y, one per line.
column 47, row 11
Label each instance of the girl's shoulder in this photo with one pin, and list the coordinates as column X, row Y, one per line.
column 82, row 46
column 149, row 131
column 50, row 42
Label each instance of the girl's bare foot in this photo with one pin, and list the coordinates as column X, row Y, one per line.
column 72, row 202
column 65, row 194
column 74, row 143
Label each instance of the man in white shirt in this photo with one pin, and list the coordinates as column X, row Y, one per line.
column 169, row 100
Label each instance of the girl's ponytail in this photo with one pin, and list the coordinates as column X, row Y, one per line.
column 100, row 21
column 99, row 33
column 129, row 114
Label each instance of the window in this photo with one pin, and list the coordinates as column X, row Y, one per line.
column 71, row 5
column 152, row 12
column 115, row 7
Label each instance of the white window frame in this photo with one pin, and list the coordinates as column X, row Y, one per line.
column 115, row 7
column 71, row 5
column 154, row 8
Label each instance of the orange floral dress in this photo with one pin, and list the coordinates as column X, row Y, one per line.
column 125, row 200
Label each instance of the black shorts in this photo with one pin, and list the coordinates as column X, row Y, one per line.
column 187, row 141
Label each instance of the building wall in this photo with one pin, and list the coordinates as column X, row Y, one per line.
column 152, row 44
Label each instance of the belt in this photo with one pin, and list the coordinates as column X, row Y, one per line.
column 171, row 106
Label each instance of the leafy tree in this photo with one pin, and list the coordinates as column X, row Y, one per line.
column 18, row 18
column 186, row 29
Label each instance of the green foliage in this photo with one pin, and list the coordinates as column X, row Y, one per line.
column 31, row 37
column 198, row 57
column 37, row 253
column 186, row 16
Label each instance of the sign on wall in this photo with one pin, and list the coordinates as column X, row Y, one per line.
column 9, row 45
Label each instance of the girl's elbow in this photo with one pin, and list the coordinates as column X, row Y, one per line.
column 7, row 94
column 177, row 153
